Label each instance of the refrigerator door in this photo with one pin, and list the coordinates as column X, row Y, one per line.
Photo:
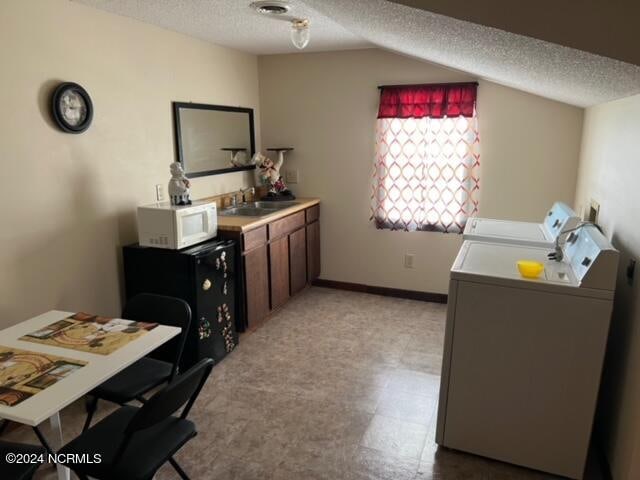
column 215, row 301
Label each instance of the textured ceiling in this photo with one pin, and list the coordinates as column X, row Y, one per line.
column 233, row 24
column 550, row 70
column 546, row 69
column 603, row 27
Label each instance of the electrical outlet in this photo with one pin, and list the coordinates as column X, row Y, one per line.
column 408, row 260
column 292, row 176
column 160, row 192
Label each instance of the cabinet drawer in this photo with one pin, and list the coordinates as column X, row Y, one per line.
column 255, row 238
column 286, row 225
column 313, row 213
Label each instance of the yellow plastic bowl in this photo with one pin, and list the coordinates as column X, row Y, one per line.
column 530, row 268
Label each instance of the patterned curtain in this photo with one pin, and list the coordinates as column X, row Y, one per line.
column 426, row 169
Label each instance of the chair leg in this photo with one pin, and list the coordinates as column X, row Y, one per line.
column 178, row 469
column 92, row 406
column 43, row 440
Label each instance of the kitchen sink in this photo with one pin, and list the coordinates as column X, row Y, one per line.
column 244, row 211
column 255, row 209
column 274, row 205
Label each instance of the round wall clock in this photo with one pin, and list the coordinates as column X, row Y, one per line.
column 72, row 107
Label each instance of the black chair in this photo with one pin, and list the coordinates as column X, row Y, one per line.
column 19, row 471
column 153, row 370
column 134, row 442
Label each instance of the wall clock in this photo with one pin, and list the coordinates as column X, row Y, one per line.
column 72, row 107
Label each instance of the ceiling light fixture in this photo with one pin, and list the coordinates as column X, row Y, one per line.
column 300, row 34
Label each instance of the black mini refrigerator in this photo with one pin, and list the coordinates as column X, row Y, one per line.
column 205, row 277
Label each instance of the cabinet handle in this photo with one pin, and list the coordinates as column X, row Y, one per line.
column 206, row 285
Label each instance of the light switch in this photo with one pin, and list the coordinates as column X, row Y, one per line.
column 292, row 176
column 159, row 192
column 408, row 260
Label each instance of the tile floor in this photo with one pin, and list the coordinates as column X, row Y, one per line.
column 337, row 385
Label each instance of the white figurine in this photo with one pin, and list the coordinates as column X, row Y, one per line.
column 179, row 185
column 269, row 175
column 268, row 172
column 238, row 158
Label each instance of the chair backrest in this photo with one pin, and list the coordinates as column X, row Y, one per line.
column 19, row 470
column 19, row 448
column 172, row 311
column 183, row 390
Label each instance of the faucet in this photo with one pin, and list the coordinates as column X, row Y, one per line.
column 243, row 192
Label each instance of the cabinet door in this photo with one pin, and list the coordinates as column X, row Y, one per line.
column 279, row 271
column 313, row 251
column 257, row 284
column 298, row 260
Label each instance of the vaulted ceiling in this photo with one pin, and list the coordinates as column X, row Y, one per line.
column 608, row 28
column 536, row 66
column 578, row 52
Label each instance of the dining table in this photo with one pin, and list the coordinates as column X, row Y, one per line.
column 96, row 368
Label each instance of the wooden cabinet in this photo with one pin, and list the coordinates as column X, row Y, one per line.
column 254, row 238
column 312, row 214
column 279, row 271
column 277, row 260
column 313, row 251
column 286, row 225
column 256, row 281
column 298, row 260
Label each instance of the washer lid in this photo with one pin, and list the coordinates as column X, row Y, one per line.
column 498, row 230
column 558, row 219
column 498, row 260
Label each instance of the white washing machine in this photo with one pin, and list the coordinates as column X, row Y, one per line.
column 558, row 219
column 523, row 358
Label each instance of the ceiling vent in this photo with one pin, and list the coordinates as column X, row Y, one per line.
column 271, row 7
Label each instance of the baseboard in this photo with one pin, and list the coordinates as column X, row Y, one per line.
column 384, row 291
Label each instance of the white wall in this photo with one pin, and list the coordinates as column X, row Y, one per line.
column 609, row 173
column 325, row 105
column 67, row 202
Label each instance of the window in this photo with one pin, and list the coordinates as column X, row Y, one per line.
column 427, row 158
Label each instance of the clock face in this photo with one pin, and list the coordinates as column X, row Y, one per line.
column 72, row 108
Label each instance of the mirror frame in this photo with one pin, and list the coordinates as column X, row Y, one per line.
column 223, row 108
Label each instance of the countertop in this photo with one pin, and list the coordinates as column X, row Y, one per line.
column 244, row 224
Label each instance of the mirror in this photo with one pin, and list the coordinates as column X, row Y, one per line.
column 213, row 139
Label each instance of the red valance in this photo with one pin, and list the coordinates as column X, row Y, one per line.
column 430, row 100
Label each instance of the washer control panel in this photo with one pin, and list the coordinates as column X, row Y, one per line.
column 592, row 258
column 560, row 218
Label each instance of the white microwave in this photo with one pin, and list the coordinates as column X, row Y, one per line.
column 163, row 225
